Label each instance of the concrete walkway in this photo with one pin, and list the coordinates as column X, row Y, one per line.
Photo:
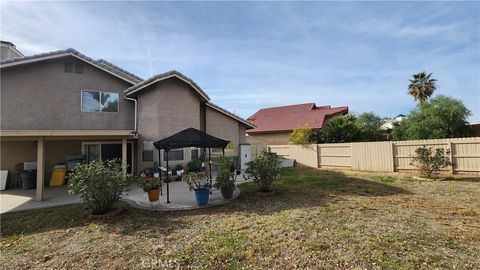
column 15, row 200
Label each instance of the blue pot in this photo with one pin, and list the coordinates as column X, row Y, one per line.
column 201, row 195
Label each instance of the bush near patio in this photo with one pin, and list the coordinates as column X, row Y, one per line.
column 98, row 185
column 263, row 170
column 429, row 161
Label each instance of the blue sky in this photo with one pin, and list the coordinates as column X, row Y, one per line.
column 259, row 54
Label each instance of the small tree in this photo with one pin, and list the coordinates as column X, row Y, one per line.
column 369, row 127
column 263, row 170
column 429, row 161
column 339, row 129
column 437, row 118
column 302, row 135
column 99, row 185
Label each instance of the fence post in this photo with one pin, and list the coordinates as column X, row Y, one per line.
column 393, row 155
column 452, row 167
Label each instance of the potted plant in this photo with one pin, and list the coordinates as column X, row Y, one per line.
column 198, row 182
column 226, row 178
column 152, row 186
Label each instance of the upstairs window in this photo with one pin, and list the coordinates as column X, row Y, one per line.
column 69, row 67
column 79, row 68
column 99, row 101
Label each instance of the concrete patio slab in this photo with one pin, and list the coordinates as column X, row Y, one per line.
column 180, row 198
column 15, row 200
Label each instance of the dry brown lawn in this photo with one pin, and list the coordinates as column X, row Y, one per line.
column 316, row 220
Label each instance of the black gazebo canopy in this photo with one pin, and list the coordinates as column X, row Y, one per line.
column 189, row 137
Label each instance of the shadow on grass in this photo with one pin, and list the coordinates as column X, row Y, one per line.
column 303, row 187
column 130, row 221
column 297, row 188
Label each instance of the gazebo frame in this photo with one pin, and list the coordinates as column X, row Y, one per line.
column 189, row 137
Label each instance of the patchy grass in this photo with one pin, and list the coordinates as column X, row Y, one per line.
column 316, row 219
column 384, row 178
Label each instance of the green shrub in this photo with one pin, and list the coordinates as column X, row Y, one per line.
column 263, row 170
column 195, row 165
column 302, row 135
column 178, row 167
column 429, row 161
column 99, row 185
column 225, row 177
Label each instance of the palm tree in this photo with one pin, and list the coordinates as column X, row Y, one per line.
column 421, row 87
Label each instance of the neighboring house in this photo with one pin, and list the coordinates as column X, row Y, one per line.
column 8, row 51
column 274, row 125
column 475, row 129
column 389, row 123
column 65, row 103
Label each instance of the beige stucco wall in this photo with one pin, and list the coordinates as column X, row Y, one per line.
column 42, row 96
column 13, row 152
column 224, row 127
column 270, row 138
column 164, row 109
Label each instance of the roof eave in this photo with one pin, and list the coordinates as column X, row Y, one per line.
column 64, row 54
column 231, row 115
column 129, row 92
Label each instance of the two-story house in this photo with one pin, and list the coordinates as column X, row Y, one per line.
column 64, row 103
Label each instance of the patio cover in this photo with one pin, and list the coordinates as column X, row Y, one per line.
column 190, row 137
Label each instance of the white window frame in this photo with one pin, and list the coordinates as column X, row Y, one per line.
column 100, row 96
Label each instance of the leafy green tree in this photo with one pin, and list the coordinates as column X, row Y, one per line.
column 302, row 135
column 422, row 86
column 339, row 129
column 437, row 118
column 369, row 127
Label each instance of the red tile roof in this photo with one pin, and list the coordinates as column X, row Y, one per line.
column 287, row 118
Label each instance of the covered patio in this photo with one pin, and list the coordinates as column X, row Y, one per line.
column 47, row 148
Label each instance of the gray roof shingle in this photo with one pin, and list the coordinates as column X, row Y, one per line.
column 103, row 63
column 163, row 76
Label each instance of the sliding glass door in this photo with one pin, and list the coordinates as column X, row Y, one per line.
column 103, row 151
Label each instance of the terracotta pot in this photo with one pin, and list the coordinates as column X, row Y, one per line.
column 154, row 195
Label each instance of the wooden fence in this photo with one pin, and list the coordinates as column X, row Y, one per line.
column 390, row 156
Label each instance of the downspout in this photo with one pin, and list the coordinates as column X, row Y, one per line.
column 135, row 131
